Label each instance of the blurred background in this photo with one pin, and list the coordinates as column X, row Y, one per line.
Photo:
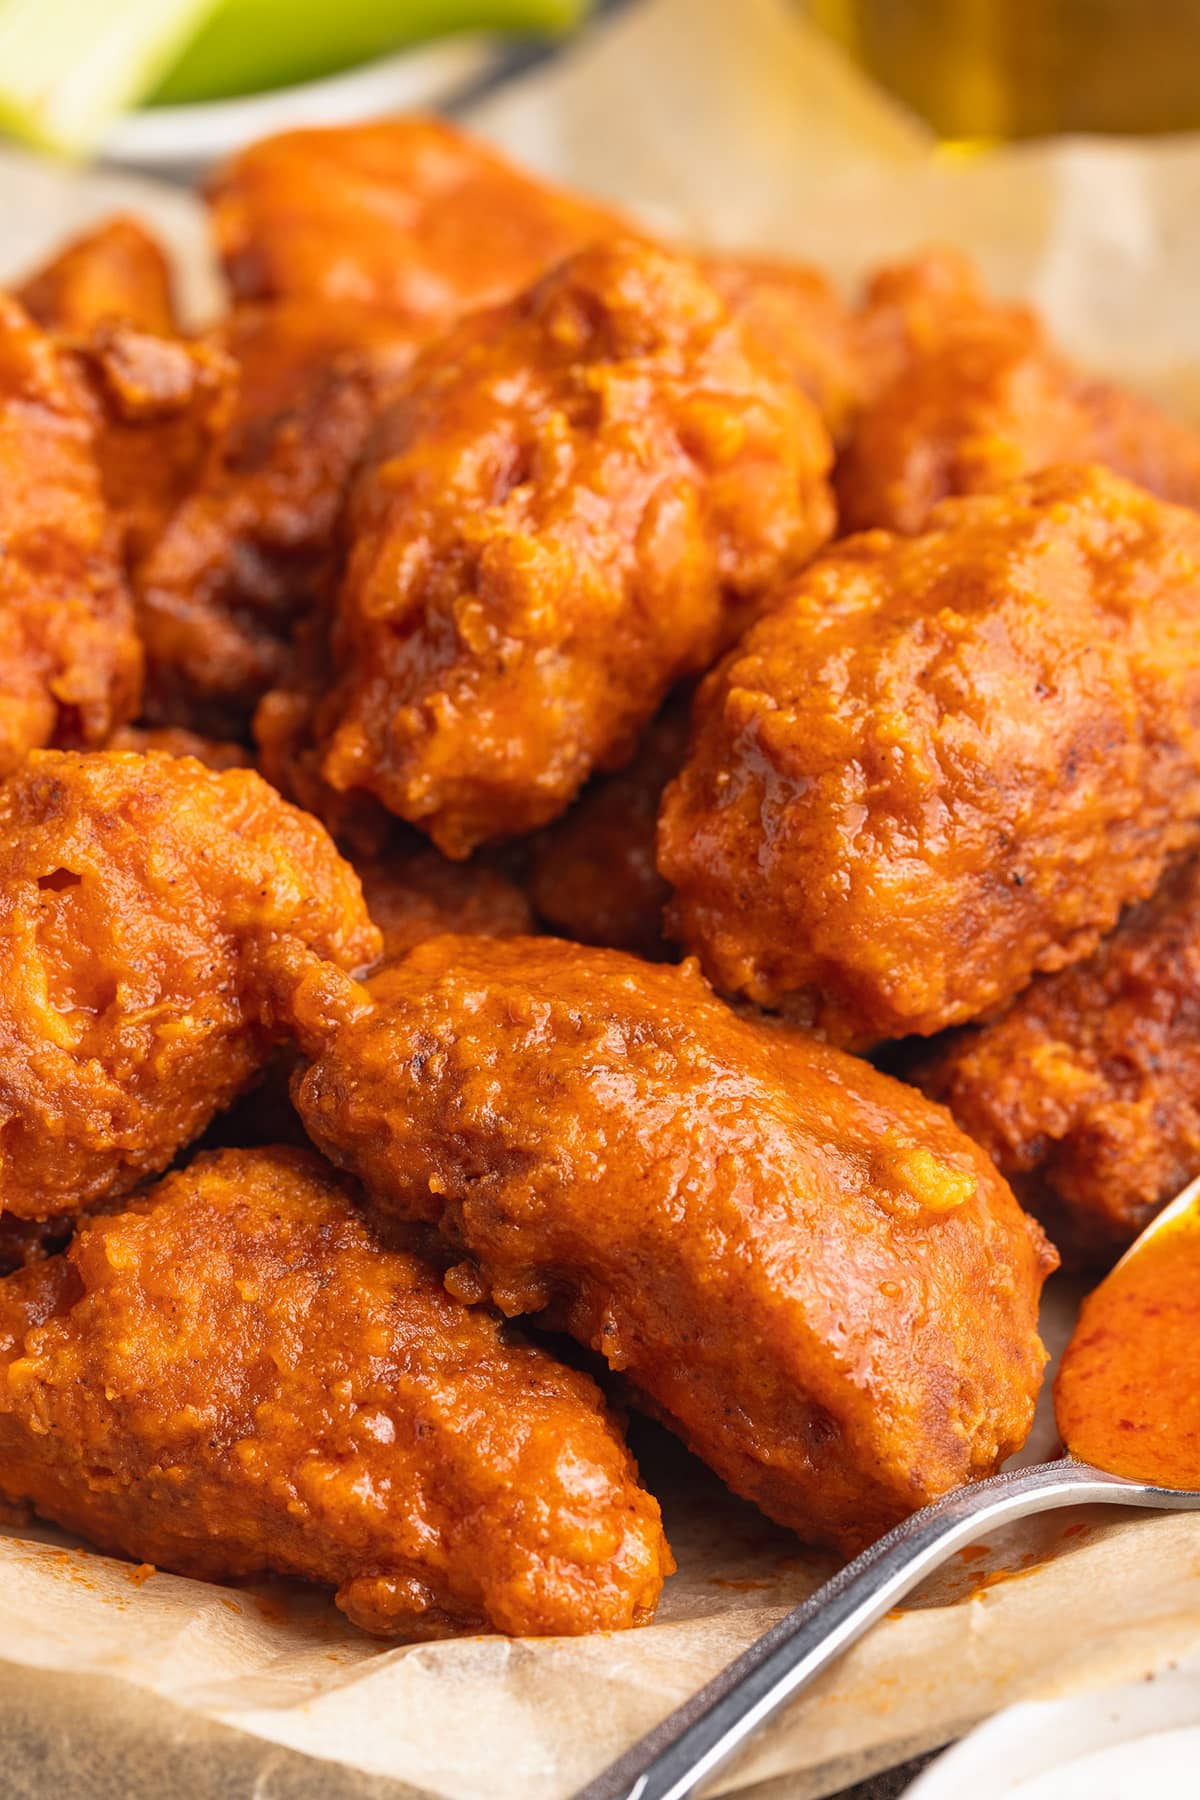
column 167, row 86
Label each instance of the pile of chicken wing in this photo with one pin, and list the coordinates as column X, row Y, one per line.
column 555, row 785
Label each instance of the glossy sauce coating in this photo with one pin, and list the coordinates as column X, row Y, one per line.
column 802, row 1266
column 226, row 584
column 989, row 402
column 70, row 661
column 155, row 917
column 408, row 214
column 1126, row 1397
column 1086, row 1092
column 232, row 1376
column 117, row 271
column 159, row 408
column 940, row 764
column 572, row 506
column 792, row 310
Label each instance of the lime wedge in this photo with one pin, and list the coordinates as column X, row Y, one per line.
column 69, row 67
column 246, row 46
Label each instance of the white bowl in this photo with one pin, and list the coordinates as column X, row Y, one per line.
column 1123, row 1743
column 180, row 141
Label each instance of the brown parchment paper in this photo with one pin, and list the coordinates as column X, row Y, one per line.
column 734, row 124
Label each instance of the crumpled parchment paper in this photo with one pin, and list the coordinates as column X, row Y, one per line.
column 738, row 126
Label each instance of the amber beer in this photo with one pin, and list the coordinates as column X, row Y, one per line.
column 1026, row 68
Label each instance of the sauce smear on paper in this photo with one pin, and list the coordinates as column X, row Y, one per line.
column 1127, row 1398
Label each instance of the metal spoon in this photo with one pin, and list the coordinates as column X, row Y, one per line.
column 687, row 1749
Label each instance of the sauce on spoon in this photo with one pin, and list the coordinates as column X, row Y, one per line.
column 1127, row 1397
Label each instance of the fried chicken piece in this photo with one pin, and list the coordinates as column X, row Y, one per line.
column 225, row 586
column 412, row 894
column 232, row 1377
column 592, row 874
column 155, row 916
column 794, row 312
column 576, row 499
column 1086, row 1092
column 284, row 348
column 214, row 753
column 991, row 402
column 940, row 764
column 160, row 410
column 117, row 271
column 409, row 214
column 804, row 1268
column 70, row 661
column 908, row 308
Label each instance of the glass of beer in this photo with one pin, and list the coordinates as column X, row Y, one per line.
column 1029, row 68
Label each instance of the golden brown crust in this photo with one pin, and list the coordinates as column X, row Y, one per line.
column 225, row 586
column 795, row 314
column 941, row 764
column 592, row 874
column 154, row 918
column 70, row 661
column 1086, row 1092
column 160, row 408
column 214, row 753
column 808, row 1270
column 408, row 214
column 117, row 271
column 232, row 1376
column 574, row 502
column 991, row 401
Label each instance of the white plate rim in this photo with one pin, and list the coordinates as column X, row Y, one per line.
column 428, row 75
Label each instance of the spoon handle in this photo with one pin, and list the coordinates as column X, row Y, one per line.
column 699, row 1737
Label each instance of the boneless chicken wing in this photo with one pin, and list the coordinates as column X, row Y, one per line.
column 803, row 1266
column 231, row 1377
column 154, row 915
column 412, row 215
column 941, row 764
column 70, row 661
column 572, row 505
column 989, row 402
column 796, row 315
column 1086, row 1092
column 116, row 271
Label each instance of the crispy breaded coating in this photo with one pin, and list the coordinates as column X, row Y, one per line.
column 1086, row 1092
column 410, row 214
column 283, row 348
column 575, row 501
column 226, row 585
column 592, row 874
column 804, row 1268
column 232, row 1377
column 70, row 661
column 794, row 312
column 214, row 753
column 991, row 402
column 941, row 764
column 413, row 893
column 908, row 307
column 116, row 271
column 155, row 916
column 160, row 409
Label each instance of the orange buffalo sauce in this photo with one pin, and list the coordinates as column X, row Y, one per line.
column 1127, row 1398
